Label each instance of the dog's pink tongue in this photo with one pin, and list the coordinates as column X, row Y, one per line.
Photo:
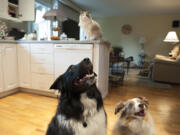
column 141, row 113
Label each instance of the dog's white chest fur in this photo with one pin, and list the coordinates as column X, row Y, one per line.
column 142, row 128
column 96, row 120
column 137, row 127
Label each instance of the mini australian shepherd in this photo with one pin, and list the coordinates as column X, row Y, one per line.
column 80, row 110
column 135, row 118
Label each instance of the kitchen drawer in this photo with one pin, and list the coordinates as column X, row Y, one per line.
column 42, row 59
column 42, row 82
column 42, row 68
column 42, row 48
column 23, row 45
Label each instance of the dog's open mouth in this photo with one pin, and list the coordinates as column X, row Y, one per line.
column 88, row 79
column 140, row 113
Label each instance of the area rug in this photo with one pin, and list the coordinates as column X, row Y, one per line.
column 132, row 78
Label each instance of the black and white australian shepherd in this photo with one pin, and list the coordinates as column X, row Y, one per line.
column 135, row 119
column 80, row 110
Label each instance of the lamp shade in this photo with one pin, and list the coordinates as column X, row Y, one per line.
column 171, row 37
column 54, row 14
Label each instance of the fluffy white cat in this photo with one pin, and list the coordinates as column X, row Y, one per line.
column 89, row 26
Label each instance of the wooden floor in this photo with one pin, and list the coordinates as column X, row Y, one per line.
column 28, row 114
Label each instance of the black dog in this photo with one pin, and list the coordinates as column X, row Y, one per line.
column 80, row 110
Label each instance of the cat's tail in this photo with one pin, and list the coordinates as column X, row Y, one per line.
column 106, row 43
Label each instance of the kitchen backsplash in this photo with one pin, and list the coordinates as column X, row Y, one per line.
column 10, row 24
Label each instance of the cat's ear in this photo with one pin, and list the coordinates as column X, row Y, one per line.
column 88, row 14
column 81, row 12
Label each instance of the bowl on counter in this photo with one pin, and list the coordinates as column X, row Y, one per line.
column 55, row 38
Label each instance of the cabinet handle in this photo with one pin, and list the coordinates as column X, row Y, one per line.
column 58, row 46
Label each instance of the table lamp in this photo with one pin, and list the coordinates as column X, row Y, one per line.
column 171, row 37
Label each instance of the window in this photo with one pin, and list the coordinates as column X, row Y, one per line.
column 42, row 26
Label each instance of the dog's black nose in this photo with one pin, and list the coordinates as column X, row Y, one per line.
column 141, row 106
column 87, row 60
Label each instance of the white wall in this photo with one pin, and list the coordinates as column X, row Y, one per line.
column 154, row 28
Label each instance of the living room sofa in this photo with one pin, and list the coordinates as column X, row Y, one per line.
column 166, row 69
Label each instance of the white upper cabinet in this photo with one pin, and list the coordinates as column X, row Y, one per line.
column 24, row 65
column 10, row 67
column 3, row 8
column 22, row 10
column 26, row 10
column 1, row 70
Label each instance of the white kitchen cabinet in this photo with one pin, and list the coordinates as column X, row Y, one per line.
column 3, row 8
column 1, row 69
column 23, row 11
column 10, row 66
column 26, row 10
column 36, row 65
column 24, row 65
column 42, row 66
column 42, row 59
column 42, row 81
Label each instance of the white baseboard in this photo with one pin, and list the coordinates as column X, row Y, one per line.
column 9, row 92
column 49, row 93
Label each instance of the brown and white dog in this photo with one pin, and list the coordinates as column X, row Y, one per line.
column 135, row 118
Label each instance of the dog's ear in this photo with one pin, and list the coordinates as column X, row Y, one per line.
column 144, row 99
column 58, row 84
column 119, row 107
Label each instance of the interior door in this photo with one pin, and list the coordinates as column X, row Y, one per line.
column 1, row 70
column 66, row 55
column 27, row 10
column 10, row 66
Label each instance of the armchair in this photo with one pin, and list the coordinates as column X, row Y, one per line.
column 166, row 69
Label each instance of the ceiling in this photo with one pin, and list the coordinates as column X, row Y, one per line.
column 107, row 8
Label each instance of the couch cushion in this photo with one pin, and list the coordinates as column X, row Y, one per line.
column 162, row 58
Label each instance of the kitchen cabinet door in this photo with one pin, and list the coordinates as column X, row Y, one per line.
column 42, row 81
column 24, row 65
column 3, row 8
column 1, row 70
column 10, row 67
column 27, row 10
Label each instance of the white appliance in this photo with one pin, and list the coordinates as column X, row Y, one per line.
column 69, row 54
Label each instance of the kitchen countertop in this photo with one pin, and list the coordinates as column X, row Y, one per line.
column 53, row 42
